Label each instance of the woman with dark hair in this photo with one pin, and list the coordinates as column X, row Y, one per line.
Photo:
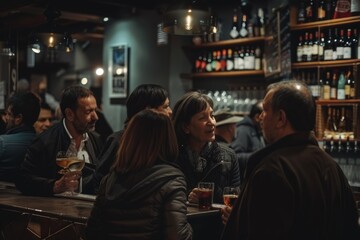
column 200, row 157
column 144, row 195
column 145, row 96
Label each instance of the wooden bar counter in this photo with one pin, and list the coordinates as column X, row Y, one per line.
column 29, row 217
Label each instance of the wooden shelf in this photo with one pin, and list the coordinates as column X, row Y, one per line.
column 326, row 23
column 231, row 42
column 223, row 74
column 337, row 102
column 325, row 64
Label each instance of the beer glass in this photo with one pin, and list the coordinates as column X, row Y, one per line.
column 230, row 195
column 205, row 195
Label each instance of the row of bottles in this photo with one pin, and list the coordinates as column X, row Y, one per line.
column 319, row 10
column 247, row 27
column 339, row 123
column 335, row 146
column 237, row 100
column 337, row 84
column 336, row 44
column 231, row 59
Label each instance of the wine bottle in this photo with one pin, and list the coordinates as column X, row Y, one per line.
column 327, row 86
column 328, row 48
column 347, row 45
column 352, row 89
column 342, row 121
column 340, row 45
column 301, row 15
column 309, row 48
column 299, row 49
column 355, row 45
column 230, row 60
column 242, row 58
column 310, row 11
column 223, row 60
column 321, row 10
column 306, row 48
column 257, row 58
column 315, row 48
column 348, row 85
column 341, row 87
column 243, row 29
column 335, row 44
column 333, row 87
column 261, row 21
column 234, row 32
column 321, row 47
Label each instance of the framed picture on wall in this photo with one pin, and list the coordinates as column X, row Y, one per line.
column 118, row 72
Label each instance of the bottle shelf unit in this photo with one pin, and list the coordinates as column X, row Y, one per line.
column 326, row 64
column 231, row 42
column 325, row 23
column 259, row 73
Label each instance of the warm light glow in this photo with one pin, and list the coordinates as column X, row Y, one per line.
column 84, row 81
column 188, row 20
column 99, row 71
column 119, row 71
column 51, row 40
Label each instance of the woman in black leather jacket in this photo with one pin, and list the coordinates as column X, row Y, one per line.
column 201, row 158
column 144, row 195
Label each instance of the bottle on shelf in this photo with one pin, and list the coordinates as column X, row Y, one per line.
column 223, row 60
column 310, row 12
column 321, row 88
column 234, row 31
column 321, row 47
column 301, row 15
column 261, row 21
column 327, row 86
column 328, row 48
column 342, row 9
column 315, row 48
column 329, row 120
column 347, row 45
column 347, row 85
column 209, row 62
column 244, row 27
column 257, row 58
column 309, row 52
column 341, row 87
column 299, row 50
column 355, row 45
column 340, row 45
column 236, row 59
column 342, row 121
column 355, row 8
column 306, row 48
column 321, row 10
column 352, row 89
column 333, row 87
column 230, row 60
column 335, row 44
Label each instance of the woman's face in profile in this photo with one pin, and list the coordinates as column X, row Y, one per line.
column 165, row 108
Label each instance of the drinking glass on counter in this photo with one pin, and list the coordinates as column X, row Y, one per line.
column 230, row 195
column 205, row 195
column 69, row 162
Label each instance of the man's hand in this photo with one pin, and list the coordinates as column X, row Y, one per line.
column 225, row 213
column 68, row 182
column 194, row 196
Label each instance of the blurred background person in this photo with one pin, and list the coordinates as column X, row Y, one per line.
column 145, row 96
column 225, row 130
column 39, row 173
column 249, row 137
column 22, row 110
column 201, row 158
column 45, row 119
column 144, row 195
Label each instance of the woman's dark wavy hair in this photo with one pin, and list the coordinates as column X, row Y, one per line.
column 295, row 99
column 145, row 96
column 185, row 108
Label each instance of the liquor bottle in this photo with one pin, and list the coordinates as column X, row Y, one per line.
column 321, row 10
column 306, row 49
column 234, row 32
column 204, row 63
column 352, row 89
column 236, row 59
column 310, row 11
column 340, row 45
column 321, row 88
column 328, row 48
column 333, row 87
column 198, row 62
column 347, row 45
column 242, row 58
column 342, row 121
column 341, row 87
column 214, row 61
column 348, row 85
column 209, row 62
column 243, row 29
column 309, row 48
column 354, row 44
column 321, row 47
column 257, row 58
column 249, row 58
column 230, row 60
column 301, row 15
column 315, row 48
column 355, row 8
column 332, row 8
column 329, row 120
column 299, row 50
column 223, row 60
column 261, row 21
column 335, row 44
column 327, row 86
column 315, row 88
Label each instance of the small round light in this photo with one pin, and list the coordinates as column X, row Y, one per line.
column 99, row 71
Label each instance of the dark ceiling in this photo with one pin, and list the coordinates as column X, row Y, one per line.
column 82, row 18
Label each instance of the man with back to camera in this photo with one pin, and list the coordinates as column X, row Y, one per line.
column 249, row 136
column 292, row 188
column 21, row 112
column 39, row 174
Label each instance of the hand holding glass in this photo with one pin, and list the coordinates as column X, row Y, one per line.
column 205, row 194
column 230, row 194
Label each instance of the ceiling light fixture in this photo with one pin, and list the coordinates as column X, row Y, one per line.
column 189, row 17
column 50, row 36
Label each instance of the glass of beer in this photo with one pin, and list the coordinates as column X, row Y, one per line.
column 230, row 194
column 205, row 195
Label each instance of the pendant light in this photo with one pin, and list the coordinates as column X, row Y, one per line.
column 188, row 17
